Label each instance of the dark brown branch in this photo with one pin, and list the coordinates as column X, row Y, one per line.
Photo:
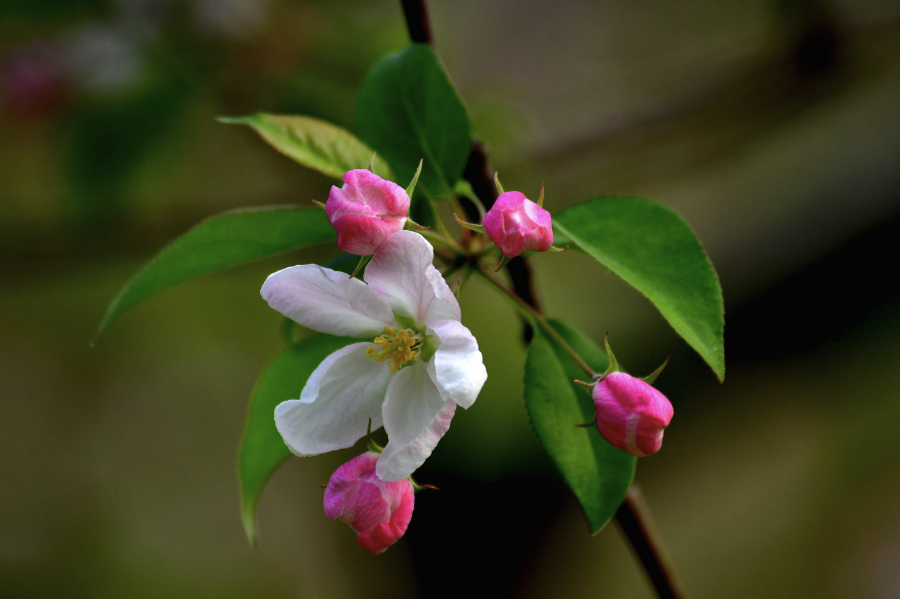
column 633, row 516
column 416, row 14
column 634, row 519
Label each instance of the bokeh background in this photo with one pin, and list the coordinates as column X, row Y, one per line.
column 772, row 126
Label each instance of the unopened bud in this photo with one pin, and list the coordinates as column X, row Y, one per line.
column 518, row 225
column 631, row 414
column 366, row 211
column 377, row 511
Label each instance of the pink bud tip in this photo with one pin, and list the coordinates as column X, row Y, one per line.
column 631, row 414
column 377, row 511
column 366, row 211
column 518, row 225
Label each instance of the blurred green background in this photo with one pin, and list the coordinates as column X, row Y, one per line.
column 772, row 126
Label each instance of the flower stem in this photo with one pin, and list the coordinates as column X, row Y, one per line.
column 537, row 316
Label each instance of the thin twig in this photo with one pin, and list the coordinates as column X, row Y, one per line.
column 537, row 316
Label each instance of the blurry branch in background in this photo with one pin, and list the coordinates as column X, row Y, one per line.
column 633, row 515
column 636, row 522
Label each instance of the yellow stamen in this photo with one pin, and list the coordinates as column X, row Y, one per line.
column 399, row 347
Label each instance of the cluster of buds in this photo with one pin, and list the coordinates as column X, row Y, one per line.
column 368, row 209
column 365, row 212
column 630, row 413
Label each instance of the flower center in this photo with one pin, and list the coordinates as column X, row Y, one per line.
column 400, row 347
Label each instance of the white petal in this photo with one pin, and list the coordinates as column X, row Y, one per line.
column 401, row 272
column 327, row 301
column 457, row 367
column 335, row 406
column 415, row 418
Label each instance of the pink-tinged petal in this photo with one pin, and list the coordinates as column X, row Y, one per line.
column 631, row 414
column 366, row 211
column 415, row 418
column 387, row 533
column 378, row 511
column 457, row 367
column 327, row 301
column 333, row 412
column 518, row 225
column 362, row 235
column 401, row 273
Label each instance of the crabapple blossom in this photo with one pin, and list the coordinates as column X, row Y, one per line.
column 366, row 211
column 631, row 414
column 377, row 511
column 421, row 363
column 518, row 225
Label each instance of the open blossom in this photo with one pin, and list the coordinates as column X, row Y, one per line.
column 631, row 414
column 518, row 225
column 366, row 211
column 377, row 511
column 409, row 378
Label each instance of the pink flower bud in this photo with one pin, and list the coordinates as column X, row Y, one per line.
column 517, row 225
column 366, row 211
column 378, row 511
column 631, row 414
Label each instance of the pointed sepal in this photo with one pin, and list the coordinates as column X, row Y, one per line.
column 553, row 248
column 415, row 179
column 613, row 364
column 503, row 262
column 371, row 167
column 497, row 183
column 589, row 423
column 652, row 376
column 589, row 387
column 540, row 201
column 363, row 260
column 469, row 226
column 412, row 225
column 370, row 442
column 417, row 487
column 319, row 204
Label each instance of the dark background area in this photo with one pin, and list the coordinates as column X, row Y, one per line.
column 772, row 126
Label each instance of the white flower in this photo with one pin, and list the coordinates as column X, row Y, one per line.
column 409, row 379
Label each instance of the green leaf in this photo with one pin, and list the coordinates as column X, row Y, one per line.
column 262, row 449
column 408, row 110
column 227, row 239
column 653, row 249
column 598, row 473
column 316, row 144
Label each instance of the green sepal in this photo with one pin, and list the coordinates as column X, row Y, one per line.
column 363, row 260
column 469, row 226
column 497, row 183
column 370, row 442
column 415, row 179
column 417, row 487
column 650, row 378
column 613, row 364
